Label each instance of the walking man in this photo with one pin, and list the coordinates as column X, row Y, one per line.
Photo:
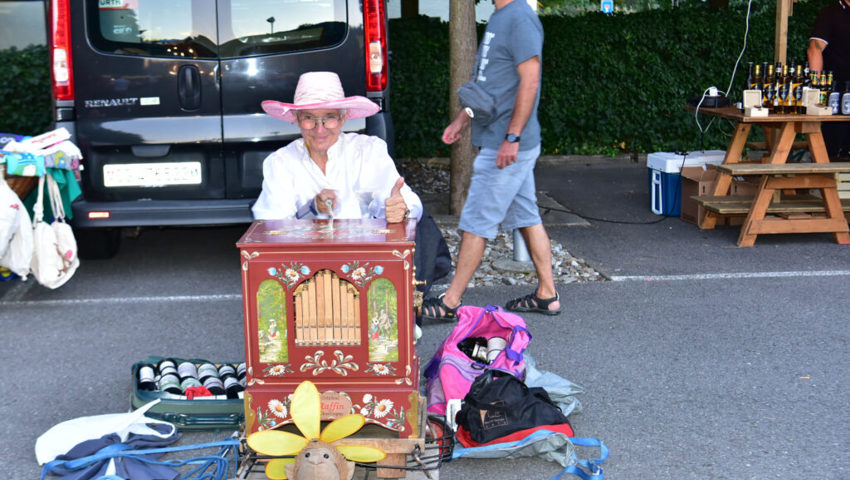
column 508, row 67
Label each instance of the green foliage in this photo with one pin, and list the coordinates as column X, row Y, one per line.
column 611, row 84
column 25, row 90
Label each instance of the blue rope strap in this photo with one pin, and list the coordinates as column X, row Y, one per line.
column 220, row 461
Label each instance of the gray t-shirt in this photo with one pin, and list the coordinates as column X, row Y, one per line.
column 514, row 34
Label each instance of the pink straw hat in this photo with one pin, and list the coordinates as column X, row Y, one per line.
column 320, row 91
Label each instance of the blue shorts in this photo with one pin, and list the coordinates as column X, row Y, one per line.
column 507, row 196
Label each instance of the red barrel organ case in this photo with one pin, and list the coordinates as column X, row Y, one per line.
column 330, row 301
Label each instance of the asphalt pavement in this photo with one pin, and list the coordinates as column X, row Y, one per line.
column 699, row 359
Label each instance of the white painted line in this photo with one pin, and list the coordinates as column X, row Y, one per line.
column 120, row 300
column 727, row 276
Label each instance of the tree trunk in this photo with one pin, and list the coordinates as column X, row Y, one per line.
column 463, row 41
column 409, row 8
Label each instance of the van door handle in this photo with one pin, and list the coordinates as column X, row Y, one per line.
column 189, row 87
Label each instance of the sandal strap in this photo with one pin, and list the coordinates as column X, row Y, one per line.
column 533, row 301
column 431, row 308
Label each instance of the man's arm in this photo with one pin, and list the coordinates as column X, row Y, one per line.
column 815, row 54
column 529, row 82
column 452, row 133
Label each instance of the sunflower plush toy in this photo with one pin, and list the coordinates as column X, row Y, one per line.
column 317, row 458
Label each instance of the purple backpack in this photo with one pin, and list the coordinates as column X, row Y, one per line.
column 450, row 372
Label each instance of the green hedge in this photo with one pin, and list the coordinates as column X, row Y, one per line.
column 611, row 84
column 25, row 91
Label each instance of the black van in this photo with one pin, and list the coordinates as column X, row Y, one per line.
column 163, row 98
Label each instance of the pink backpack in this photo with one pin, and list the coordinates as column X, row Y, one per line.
column 450, row 372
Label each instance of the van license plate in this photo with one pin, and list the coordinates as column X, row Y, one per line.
column 151, row 174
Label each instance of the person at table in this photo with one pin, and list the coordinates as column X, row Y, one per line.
column 829, row 49
column 330, row 174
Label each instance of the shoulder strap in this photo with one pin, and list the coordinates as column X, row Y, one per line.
column 589, row 469
column 38, row 207
column 55, row 198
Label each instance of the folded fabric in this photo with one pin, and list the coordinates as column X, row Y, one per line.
column 103, row 460
column 562, row 391
column 24, row 164
column 62, row 437
column 466, row 440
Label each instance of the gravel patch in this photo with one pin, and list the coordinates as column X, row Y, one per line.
column 429, row 177
column 565, row 267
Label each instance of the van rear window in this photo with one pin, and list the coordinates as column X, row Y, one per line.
column 208, row 29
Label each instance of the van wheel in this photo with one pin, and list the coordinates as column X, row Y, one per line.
column 98, row 243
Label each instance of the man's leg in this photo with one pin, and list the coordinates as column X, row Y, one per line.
column 490, row 193
column 468, row 258
column 540, row 248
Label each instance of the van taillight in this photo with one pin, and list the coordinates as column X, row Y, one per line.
column 60, row 50
column 376, row 45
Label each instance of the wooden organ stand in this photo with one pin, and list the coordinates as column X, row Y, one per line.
column 331, row 301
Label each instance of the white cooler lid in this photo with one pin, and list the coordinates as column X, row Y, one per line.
column 670, row 162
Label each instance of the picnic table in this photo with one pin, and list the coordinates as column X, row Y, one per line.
column 783, row 202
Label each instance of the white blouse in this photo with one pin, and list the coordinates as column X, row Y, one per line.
column 359, row 169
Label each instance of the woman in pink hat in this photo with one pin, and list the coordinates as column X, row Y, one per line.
column 327, row 173
column 344, row 175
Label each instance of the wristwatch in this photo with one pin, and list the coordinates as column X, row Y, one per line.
column 511, row 138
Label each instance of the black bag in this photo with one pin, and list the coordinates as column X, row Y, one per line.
column 499, row 404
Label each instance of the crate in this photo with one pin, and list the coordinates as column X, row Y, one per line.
column 201, row 413
column 664, row 179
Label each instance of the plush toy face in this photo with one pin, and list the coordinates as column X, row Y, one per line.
column 320, row 461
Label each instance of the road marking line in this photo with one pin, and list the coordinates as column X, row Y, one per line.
column 119, row 300
column 727, row 276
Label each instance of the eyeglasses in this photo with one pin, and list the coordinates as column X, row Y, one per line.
column 309, row 122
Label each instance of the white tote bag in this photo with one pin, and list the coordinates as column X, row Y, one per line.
column 15, row 233
column 54, row 257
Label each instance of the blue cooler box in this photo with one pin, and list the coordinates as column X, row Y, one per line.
column 665, row 183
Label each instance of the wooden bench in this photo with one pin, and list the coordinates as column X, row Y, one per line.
column 740, row 204
column 773, row 210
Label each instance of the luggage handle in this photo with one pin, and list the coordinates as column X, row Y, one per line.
column 198, row 420
column 511, row 353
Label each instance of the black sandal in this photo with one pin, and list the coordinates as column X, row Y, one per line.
column 533, row 304
column 431, row 307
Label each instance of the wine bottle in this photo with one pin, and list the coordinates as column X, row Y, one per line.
column 797, row 90
column 768, row 92
column 758, row 81
column 751, row 75
column 834, row 101
column 845, row 99
column 784, row 89
column 824, row 88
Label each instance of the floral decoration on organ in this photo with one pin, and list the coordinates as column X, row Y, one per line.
column 380, row 368
column 341, row 365
column 290, row 275
column 277, row 370
column 361, row 274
